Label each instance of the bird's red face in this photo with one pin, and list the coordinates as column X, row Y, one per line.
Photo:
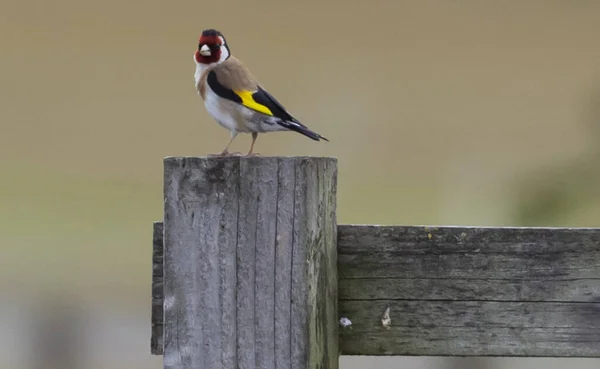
column 211, row 48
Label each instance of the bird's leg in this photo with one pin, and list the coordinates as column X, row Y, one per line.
column 251, row 153
column 225, row 151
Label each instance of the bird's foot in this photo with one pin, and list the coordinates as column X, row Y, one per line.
column 225, row 153
column 252, row 154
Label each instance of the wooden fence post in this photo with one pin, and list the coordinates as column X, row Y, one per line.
column 250, row 263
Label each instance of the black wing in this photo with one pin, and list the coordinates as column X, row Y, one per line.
column 263, row 97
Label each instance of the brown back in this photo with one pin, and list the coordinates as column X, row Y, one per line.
column 232, row 74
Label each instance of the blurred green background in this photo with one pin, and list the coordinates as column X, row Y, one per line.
column 440, row 112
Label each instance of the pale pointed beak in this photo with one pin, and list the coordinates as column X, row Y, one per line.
column 205, row 50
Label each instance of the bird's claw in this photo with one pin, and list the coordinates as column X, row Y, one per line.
column 252, row 154
column 225, row 154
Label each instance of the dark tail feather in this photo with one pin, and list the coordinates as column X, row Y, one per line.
column 300, row 128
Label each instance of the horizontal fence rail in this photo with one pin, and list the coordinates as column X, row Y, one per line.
column 469, row 291
column 457, row 291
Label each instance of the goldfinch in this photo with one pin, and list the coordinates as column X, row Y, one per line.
column 233, row 96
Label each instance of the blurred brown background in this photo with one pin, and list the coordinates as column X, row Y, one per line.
column 440, row 112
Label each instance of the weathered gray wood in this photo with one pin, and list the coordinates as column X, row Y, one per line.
column 450, row 290
column 470, row 291
column 570, row 290
column 484, row 314
column 200, row 238
column 539, row 316
column 314, row 267
column 246, row 262
column 156, row 338
column 472, row 328
column 250, row 277
column 468, row 252
column 256, row 273
column 283, row 266
column 266, row 171
column 450, row 341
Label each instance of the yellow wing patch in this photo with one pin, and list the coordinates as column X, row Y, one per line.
column 249, row 102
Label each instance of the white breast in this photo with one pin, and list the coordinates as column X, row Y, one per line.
column 213, row 103
column 200, row 68
column 218, row 108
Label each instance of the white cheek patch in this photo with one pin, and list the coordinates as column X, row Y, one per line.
column 224, row 53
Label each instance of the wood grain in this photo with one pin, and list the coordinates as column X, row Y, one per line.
column 314, row 271
column 569, row 290
column 454, row 291
column 284, row 242
column 200, row 238
column 468, row 252
column 250, row 277
column 465, row 291
column 156, row 338
column 450, row 341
